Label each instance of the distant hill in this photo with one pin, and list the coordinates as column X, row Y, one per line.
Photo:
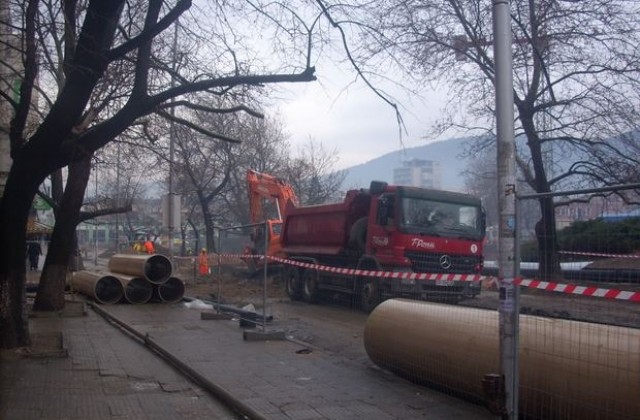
column 446, row 152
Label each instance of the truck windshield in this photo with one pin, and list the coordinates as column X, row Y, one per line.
column 448, row 219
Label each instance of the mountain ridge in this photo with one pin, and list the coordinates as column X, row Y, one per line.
column 446, row 152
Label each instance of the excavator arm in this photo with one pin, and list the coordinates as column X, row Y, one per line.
column 264, row 188
column 268, row 187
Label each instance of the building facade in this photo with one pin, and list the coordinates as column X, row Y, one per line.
column 419, row 173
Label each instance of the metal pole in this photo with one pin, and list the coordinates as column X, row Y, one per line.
column 172, row 130
column 508, row 307
column 95, row 226
column 264, row 276
column 118, row 198
column 219, row 270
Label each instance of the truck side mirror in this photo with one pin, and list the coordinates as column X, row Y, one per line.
column 377, row 187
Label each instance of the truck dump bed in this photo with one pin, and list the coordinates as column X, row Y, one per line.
column 323, row 229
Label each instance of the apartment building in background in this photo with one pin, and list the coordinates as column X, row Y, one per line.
column 419, row 173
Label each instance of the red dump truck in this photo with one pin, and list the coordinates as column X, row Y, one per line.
column 385, row 228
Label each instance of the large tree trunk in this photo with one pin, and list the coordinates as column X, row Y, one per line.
column 546, row 234
column 21, row 187
column 50, row 295
column 549, row 264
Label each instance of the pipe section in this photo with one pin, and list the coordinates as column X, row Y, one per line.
column 568, row 369
column 171, row 291
column 136, row 289
column 155, row 268
column 104, row 288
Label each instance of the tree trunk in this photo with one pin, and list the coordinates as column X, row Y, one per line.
column 209, row 230
column 549, row 263
column 546, row 234
column 50, row 296
column 21, row 188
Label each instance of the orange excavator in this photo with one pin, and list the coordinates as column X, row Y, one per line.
column 269, row 197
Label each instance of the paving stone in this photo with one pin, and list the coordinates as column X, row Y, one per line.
column 109, row 375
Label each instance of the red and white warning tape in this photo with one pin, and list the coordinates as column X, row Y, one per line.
column 442, row 278
column 383, row 274
column 579, row 290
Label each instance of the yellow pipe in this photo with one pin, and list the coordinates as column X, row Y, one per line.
column 568, row 369
column 171, row 291
column 136, row 289
column 155, row 268
column 104, row 288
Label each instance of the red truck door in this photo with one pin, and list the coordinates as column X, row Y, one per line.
column 382, row 225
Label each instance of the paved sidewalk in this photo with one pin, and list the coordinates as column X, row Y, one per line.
column 108, row 375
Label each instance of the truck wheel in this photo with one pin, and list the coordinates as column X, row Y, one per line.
column 292, row 282
column 310, row 291
column 358, row 233
column 370, row 295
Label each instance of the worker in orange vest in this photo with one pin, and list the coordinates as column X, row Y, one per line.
column 148, row 246
column 203, row 262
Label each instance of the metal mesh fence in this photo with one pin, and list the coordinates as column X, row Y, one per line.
column 579, row 327
column 424, row 328
column 579, row 342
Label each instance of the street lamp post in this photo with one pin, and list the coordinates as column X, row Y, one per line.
column 508, row 307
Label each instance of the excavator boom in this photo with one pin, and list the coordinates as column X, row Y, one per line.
column 267, row 188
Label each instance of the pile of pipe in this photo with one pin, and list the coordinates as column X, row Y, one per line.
column 131, row 278
column 567, row 369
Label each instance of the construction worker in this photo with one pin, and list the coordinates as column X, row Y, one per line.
column 138, row 247
column 203, row 262
column 149, row 247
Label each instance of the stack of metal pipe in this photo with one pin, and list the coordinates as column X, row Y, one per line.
column 131, row 278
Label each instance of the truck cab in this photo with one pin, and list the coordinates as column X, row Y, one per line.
column 425, row 231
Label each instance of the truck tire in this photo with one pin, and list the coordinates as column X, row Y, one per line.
column 310, row 292
column 358, row 233
column 370, row 295
column 292, row 282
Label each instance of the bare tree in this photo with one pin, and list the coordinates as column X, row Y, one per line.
column 203, row 168
column 576, row 68
column 266, row 149
column 313, row 176
column 89, row 107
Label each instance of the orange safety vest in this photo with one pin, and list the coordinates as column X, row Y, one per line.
column 203, row 263
column 148, row 246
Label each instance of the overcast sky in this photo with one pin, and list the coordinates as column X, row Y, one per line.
column 351, row 119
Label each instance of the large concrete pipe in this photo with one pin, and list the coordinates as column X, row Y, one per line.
column 155, row 268
column 171, row 291
column 103, row 288
column 568, row 369
column 136, row 289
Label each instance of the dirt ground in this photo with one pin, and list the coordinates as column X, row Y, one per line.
column 335, row 325
column 237, row 287
column 233, row 283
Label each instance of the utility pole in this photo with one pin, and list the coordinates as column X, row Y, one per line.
column 508, row 307
column 172, row 133
column 118, row 198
